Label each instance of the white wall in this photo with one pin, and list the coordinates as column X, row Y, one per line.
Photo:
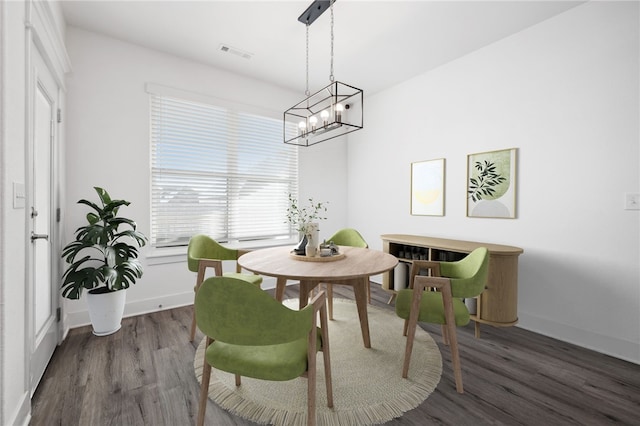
column 14, row 389
column 108, row 145
column 565, row 93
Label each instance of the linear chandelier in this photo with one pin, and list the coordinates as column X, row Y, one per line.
column 330, row 112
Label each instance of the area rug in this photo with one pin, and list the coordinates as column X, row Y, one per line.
column 368, row 387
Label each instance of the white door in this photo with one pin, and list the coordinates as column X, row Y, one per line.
column 43, row 296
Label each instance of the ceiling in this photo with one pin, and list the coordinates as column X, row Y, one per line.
column 377, row 44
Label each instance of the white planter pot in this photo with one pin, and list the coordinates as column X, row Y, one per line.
column 105, row 311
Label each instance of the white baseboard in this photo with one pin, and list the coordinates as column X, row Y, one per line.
column 608, row 345
column 22, row 414
column 81, row 318
column 141, row 307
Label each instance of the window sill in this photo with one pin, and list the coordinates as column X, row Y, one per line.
column 166, row 255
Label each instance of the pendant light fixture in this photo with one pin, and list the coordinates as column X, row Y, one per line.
column 328, row 113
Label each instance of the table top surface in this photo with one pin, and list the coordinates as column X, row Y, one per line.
column 357, row 262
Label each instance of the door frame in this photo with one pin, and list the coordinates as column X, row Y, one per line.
column 43, row 34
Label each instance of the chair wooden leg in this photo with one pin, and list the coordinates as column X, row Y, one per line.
column 311, row 399
column 393, row 296
column 452, row 337
column 324, row 327
column 411, row 324
column 406, row 328
column 192, row 334
column 445, row 335
column 238, row 380
column 311, row 375
column 199, row 279
column 204, row 391
column 455, row 358
column 478, row 314
column 330, row 300
column 369, row 291
column 411, row 334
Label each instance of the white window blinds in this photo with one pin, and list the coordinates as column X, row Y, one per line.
column 218, row 172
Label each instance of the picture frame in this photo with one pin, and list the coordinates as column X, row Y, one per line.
column 491, row 184
column 427, row 187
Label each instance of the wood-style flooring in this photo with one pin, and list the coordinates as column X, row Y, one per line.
column 143, row 375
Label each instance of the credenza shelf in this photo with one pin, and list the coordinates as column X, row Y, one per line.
column 497, row 305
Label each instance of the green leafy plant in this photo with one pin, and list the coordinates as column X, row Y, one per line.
column 102, row 256
column 301, row 216
column 487, row 178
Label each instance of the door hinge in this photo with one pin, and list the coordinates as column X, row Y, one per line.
column 58, row 214
column 59, row 115
column 58, row 314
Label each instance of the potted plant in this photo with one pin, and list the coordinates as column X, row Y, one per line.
column 103, row 259
column 304, row 220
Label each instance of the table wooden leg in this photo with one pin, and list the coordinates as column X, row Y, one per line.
column 360, row 291
column 281, row 283
column 306, row 286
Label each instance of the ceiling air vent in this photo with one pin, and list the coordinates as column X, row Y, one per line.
column 232, row 50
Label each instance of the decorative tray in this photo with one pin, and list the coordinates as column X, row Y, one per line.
column 317, row 258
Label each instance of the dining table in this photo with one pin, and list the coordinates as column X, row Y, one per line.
column 350, row 266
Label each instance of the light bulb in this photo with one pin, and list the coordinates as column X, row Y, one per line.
column 302, row 127
column 313, row 120
column 339, row 109
column 325, row 117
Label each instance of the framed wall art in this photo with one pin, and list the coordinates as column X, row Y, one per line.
column 427, row 188
column 491, row 184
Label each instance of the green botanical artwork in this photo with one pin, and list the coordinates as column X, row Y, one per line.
column 487, row 183
column 490, row 186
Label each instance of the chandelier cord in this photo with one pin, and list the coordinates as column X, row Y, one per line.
column 306, row 92
column 331, row 71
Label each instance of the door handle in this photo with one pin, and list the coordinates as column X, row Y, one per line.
column 35, row 236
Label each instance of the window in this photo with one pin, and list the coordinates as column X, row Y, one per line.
column 219, row 172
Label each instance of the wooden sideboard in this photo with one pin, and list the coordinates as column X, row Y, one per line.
column 497, row 305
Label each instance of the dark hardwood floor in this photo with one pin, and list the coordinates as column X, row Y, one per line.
column 143, row 375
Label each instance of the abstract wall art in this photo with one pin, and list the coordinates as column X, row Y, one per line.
column 427, row 188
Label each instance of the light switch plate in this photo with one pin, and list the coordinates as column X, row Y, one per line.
column 19, row 195
column 632, row 201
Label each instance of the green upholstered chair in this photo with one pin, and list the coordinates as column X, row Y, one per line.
column 251, row 334
column 454, row 281
column 352, row 238
column 204, row 252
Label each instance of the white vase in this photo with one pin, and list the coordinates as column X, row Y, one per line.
column 310, row 250
column 313, row 239
column 106, row 310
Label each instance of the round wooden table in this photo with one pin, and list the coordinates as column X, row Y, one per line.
column 354, row 269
